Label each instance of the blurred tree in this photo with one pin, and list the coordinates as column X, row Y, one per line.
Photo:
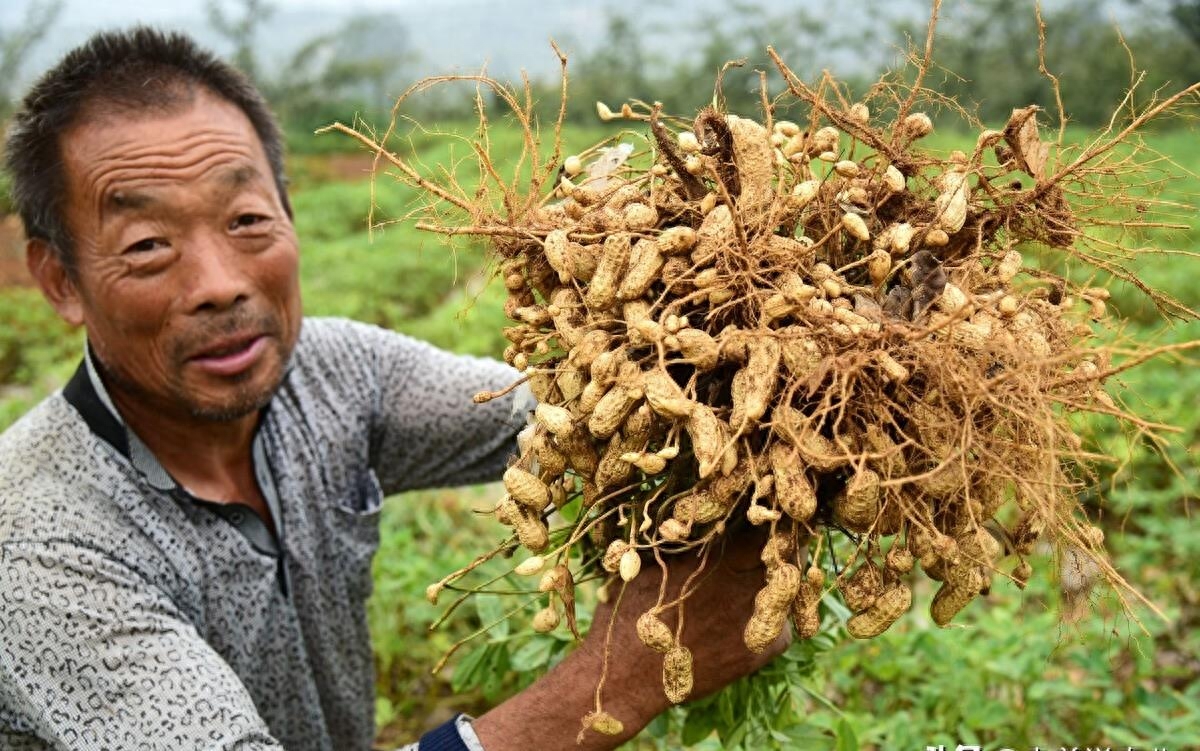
column 1172, row 28
column 16, row 43
column 354, row 68
column 240, row 28
column 623, row 64
column 357, row 67
column 370, row 58
column 617, row 67
column 990, row 49
column 742, row 32
column 987, row 52
column 1184, row 14
column 622, row 56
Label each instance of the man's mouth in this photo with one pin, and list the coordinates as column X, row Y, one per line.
column 230, row 356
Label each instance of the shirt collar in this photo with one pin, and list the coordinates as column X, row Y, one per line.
column 129, row 444
column 89, row 364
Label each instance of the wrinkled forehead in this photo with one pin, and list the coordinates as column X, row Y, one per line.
column 182, row 141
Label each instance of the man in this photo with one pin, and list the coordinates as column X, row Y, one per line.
column 186, row 530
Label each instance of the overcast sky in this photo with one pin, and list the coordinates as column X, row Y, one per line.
column 457, row 33
column 442, row 35
column 97, row 14
column 438, row 35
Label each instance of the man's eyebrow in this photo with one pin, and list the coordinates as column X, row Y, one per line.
column 126, row 200
column 239, row 176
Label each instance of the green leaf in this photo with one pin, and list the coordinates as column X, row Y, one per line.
column 698, row 726
column 533, row 655
column 491, row 608
column 496, row 668
column 659, row 727
column 385, row 712
column 847, row 740
column 732, row 736
column 467, row 673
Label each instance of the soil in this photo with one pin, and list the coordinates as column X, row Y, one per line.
column 12, row 254
column 323, row 168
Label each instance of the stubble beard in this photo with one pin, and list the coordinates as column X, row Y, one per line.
column 246, row 400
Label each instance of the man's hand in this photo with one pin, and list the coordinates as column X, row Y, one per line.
column 715, row 613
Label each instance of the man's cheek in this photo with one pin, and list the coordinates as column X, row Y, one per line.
column 287, row 270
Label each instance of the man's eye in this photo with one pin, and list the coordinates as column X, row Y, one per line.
column 150, row 243
column 246, row 220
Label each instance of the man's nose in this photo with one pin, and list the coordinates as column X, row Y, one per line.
column 217, row 275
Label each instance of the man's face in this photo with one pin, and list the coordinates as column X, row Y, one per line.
column 187, row 277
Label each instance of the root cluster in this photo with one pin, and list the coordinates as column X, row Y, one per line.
column 761, row 326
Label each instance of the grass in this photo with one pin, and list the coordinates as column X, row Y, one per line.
column 1010, row 674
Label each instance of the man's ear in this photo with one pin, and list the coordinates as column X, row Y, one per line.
column 56, row 284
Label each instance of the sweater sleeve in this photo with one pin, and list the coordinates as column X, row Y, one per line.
column 426, row 431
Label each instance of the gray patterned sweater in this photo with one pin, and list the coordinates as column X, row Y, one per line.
column 134, row 616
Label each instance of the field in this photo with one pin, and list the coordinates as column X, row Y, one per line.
column 1011, row 674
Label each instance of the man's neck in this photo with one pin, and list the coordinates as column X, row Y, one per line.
column 212, row 459
column 196, row 452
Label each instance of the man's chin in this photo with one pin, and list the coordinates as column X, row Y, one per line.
column 233, row 409
column 232, row 401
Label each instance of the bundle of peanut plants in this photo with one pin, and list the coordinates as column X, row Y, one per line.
column 812, row 325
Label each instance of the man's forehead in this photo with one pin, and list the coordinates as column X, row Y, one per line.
column 207, row 137
column 128, row 127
